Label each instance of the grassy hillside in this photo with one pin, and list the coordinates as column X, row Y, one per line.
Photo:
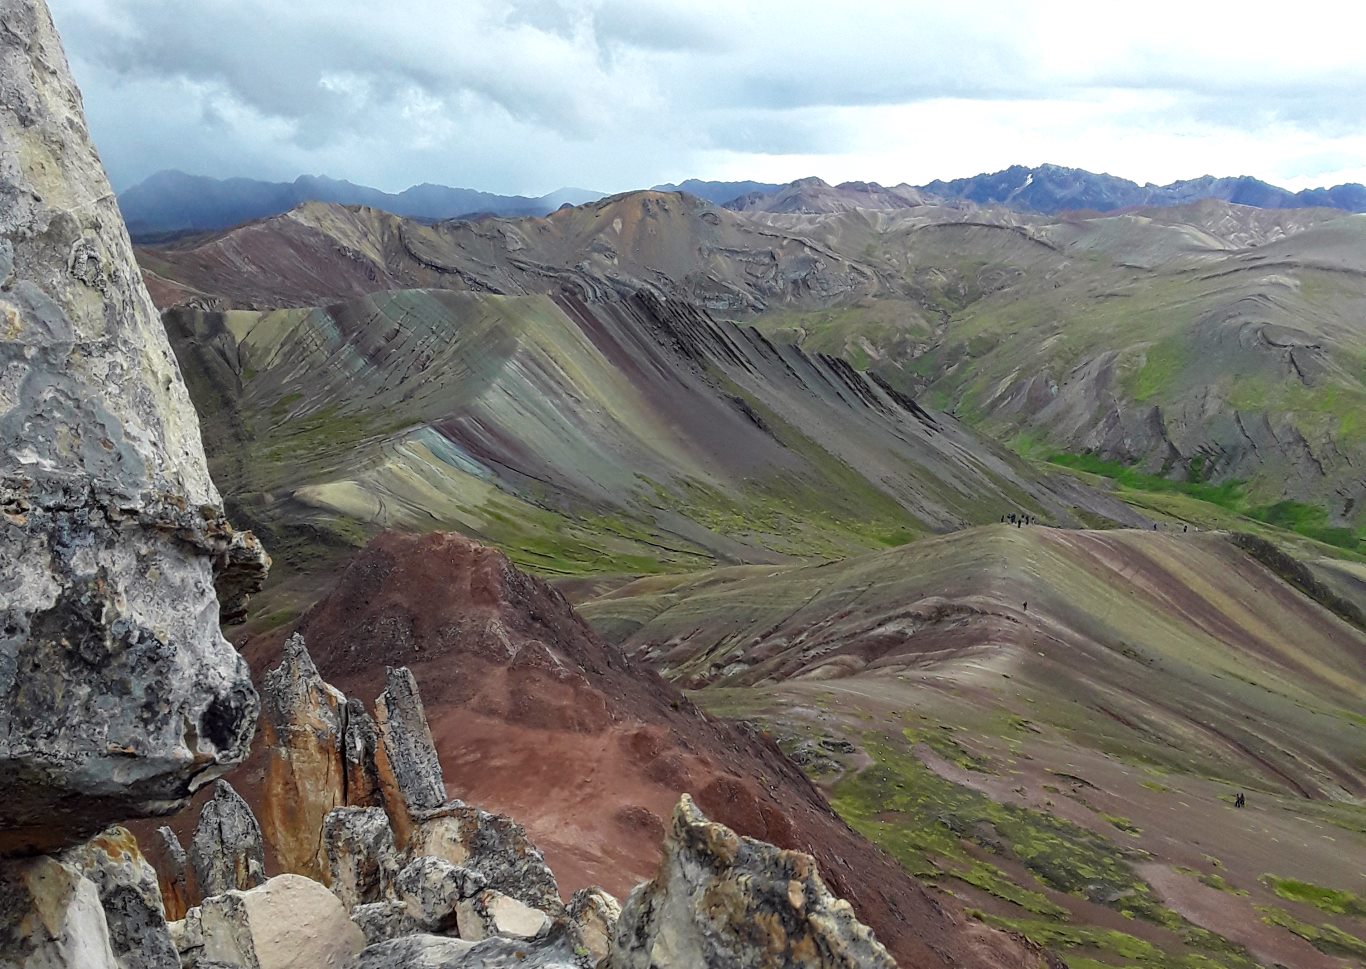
column 620, row 436
column 1053, row 724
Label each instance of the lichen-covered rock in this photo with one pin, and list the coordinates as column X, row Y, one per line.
column 290, row 922
column 491, row 913
column 303, row 724
column 595, row 913
column 416, row 952
column 361, row 858
column 173, row 877
column 432, row 889
column 723, row 900
column 495, row 846
column 557, row 949
column 382, row 921
column 226, row 851
column 51, row 917
column 130, row 897
column 118, row 693
column 409, row 770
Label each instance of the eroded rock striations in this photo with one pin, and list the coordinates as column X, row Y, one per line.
column 723, row 900
column 409, row 771
column 118, row 693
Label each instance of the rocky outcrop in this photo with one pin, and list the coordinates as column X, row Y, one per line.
column 433, row 889
column 118, row 693
column 303, row 726
column 51, row 916
column 290, row 922
column 226, row 851
column 494, row 846
column 594, row 913
column 173, row 875
column 409, row 771
column 127, row 889
column 557, row 949
column 360, row 748
column 723, row 900
column 361, row 858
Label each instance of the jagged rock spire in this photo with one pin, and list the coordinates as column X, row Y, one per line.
column 409, row 770
column 226, row 852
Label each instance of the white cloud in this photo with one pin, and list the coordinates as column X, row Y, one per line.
column 527, row 95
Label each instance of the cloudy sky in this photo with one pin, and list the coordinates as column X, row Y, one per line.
column 524, row 96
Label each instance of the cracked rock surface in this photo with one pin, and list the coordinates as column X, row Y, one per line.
column 119, row 696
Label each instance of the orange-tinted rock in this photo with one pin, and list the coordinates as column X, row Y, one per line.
column 302, row 731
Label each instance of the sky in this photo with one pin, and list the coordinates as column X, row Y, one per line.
column 526, row 96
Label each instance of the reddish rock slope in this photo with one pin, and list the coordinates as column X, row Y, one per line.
column 535, row 717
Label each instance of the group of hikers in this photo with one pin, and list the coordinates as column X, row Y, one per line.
column 1018, row 520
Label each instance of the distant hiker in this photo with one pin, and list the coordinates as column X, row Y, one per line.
column 1154, row 526
column 1185, row 528
column 1026, row 607
column 1240, row 800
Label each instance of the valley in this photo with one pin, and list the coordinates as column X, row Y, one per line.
column 783, row 454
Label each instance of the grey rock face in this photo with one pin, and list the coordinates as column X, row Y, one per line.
column 382, row 921
column 128, row 893
column 557, row 949
column 410, row 772
column 416, row 952
column 433, row 889
column 723, row 900
column 495, row 846
column 51, row 917
column 118, row 693
column 226, row 851
column 361, row 858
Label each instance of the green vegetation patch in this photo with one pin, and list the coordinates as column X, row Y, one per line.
column 1121, row 945
column 926, row 822
column 1326, row 938
column 1334, row 901
column 1310, row 521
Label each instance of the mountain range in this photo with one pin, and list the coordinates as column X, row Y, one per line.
column 170, row 202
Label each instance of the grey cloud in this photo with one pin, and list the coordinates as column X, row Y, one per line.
column 525, row 95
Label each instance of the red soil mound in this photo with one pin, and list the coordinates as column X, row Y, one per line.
column 536, row 718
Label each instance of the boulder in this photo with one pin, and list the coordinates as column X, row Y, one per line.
column 187, row 935
column 416, row 952
column 173, row 877
column 494, row 846
column 361, row 858
column 382, row 921
column 719, row 899
column 594, row 913
column 303, row 722
column 226, row 851
column 128, row 893
column 433, row 888
column 119, row 695
column 409, row 770
column 290, row 922
column 491, row 913
column 557, row 949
